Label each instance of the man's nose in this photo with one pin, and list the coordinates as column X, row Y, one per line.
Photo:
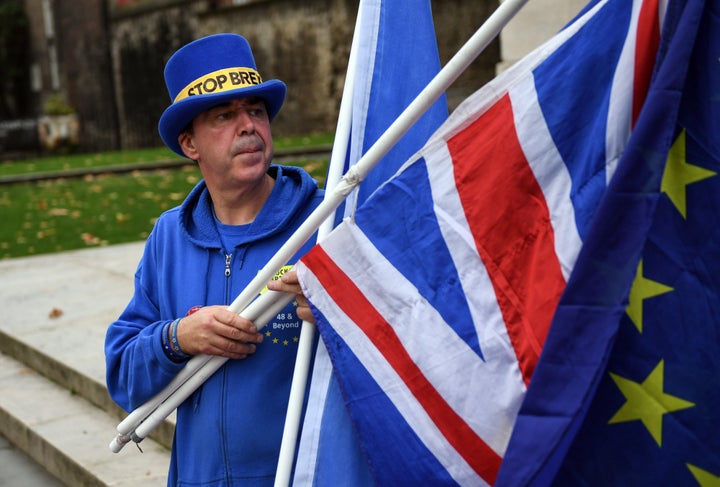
column 244, row 122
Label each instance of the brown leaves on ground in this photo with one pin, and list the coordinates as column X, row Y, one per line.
column 55, row 313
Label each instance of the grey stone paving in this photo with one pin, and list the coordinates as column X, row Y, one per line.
column 19, row 470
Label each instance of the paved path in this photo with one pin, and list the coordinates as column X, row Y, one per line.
column 54, row 405
column 19, row 470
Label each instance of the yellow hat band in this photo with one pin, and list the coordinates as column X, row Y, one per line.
column 219, row 81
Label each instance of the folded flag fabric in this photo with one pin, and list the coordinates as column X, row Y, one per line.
column 654, row 417
column 396, row 59
column 434, row 302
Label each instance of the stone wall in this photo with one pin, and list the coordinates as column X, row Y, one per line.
column 70, row 62
column 83, row 47
column 141, row 44
column 304, row 43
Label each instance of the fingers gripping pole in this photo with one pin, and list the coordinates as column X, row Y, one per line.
column 144, row 419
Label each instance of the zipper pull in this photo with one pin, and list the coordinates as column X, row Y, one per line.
column 227, row 264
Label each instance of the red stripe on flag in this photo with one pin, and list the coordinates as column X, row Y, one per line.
column 353, row 302
column 646, row 46
column 510, row 221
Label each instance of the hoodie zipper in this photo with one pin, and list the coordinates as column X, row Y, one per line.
column 228, row 258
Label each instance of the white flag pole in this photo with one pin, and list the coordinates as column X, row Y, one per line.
column 307, row 332
column 447, row 75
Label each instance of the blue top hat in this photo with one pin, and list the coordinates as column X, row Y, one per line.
column 210, row 71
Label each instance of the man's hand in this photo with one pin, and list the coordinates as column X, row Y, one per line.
column 213, row 330
column 289, row 283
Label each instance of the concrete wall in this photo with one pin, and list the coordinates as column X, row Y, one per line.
column 70, row 60
column 111, row 54
column 83, row 47
column 38, row 68
column 537, row 22
column 304, row 43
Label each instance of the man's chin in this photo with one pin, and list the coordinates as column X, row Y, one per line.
column 250, row 158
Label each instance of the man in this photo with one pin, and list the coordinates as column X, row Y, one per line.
column 200, row 256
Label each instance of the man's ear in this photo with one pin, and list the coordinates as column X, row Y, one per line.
column 185, row 139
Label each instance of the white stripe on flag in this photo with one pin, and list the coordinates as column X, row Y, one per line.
column 478, row 289
column 549, row 170
column 310, row 440
column 369, row 25
column 397, row 392
column 619, row 118
column 370, row 271
column 491, row 92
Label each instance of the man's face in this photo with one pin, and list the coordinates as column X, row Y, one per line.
column 232, row 142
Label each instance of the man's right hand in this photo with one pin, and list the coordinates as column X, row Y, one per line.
column 214, row 330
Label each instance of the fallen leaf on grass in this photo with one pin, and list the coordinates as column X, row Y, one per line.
column 90, row 239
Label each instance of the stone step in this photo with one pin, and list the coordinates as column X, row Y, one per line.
column 54, row 405
column 68, row 436
column 19, row 469
column 75, row 380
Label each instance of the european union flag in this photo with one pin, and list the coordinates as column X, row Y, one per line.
column 654, row 357
column 655, row 418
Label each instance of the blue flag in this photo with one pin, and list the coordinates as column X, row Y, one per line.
column 397, row 57
column 627, row 387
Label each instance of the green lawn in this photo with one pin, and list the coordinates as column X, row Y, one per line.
column 67, row 214
column 135, row 156
column 84, row 161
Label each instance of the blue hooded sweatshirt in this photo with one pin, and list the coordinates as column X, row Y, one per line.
column 229, row 431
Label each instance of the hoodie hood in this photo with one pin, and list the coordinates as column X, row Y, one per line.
column 293, row 188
